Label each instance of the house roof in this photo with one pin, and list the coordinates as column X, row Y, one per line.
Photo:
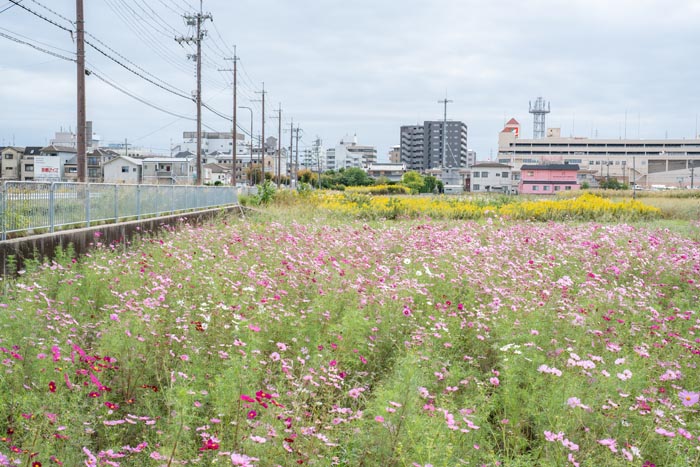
column 15, row 148
column 479, row 165
column 53, row 148
column 130, row 160
column 512, row 121
column 551, row 167
column 72, row 161
column 32, row 150
column 387, row 167
column 184, row 154
column 166, row 159
column 217, row 168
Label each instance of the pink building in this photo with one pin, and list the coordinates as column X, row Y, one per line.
column 548, row 179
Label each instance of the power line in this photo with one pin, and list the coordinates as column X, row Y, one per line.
column 179, row 94
column 71, row 22
column 36, row 47
column 130, row 62
column 36, row 41
column 136, row 97
column 38, row 15
column 7, row 8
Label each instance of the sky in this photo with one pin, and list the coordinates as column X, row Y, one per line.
column 339, row 68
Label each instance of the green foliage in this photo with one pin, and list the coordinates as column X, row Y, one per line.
column 266, row 192
column 612, row 184
column 413, row 180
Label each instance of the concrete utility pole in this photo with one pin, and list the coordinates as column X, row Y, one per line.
column 279, row 145
column 80, row 41
column 197, row 20
column 234, row 149
column 262, row 141
column 290, row 167
column 296, row 159
column 251, row 132
column 444, row 130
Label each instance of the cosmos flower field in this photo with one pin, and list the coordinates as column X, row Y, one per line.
column 358, row 343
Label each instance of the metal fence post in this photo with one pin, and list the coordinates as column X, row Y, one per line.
column 116, row 204
column 86, row 192
column 52, row 207
column 172, row 203
column 138, row 201
column 3, row 207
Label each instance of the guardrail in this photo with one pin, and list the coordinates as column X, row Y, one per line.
column 35, row 206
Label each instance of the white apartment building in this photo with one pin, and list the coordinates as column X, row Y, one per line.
column 348, row 153
column 646, row 162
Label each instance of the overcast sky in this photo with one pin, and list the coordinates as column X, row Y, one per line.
column 362, row 67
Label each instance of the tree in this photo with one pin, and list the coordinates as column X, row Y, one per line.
column 413, row 180
column 429, row 184
column 354, row 176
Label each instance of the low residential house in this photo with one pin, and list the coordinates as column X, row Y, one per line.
column 453, row 178
column 95, row 164
column 169, row 171
column 487, row 177
column 217, row 174
column 10, row 163
column 392, row 172
column 548, row 179
column 27, row 163
column 123, row 169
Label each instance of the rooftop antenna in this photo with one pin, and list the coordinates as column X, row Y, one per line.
column 540, row 110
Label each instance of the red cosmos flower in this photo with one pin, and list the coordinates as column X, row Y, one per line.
column 36, row 464
column 112, row 406
column 247, row 398
column 52, row 386
column 252, row 414
column 94, row 394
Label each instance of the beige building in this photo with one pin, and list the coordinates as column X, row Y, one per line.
column 10, row 163
column 646, row 162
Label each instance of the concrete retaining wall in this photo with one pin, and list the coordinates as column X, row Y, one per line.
column 45, row 245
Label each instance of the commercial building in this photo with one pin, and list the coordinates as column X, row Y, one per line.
column 435, row 144
column 646, row 162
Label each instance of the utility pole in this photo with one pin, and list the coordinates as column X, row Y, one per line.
column 234, row 149
column 197, row 20
column 262, row 141
column 80, row 55
column 296, row 162
column 279, row 145
column 444, row 130
column 126, row 147
column 290, row 167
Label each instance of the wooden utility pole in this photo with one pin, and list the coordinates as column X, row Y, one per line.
column 197, row 20
column 80, row 131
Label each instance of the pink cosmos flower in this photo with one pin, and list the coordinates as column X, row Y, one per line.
column 689, row 398
column 241, row 460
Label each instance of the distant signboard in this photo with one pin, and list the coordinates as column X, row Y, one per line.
column 47, row 168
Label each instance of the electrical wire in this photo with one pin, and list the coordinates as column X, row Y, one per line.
column 36, row 47
column 38, row 15
column 71, row 22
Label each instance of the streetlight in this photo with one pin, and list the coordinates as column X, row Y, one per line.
column 251, row 134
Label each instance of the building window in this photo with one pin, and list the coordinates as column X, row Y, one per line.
column 530, row 173
column 125, row 169
column 476, row 187
column 476, row 175
column 545, row 188
column 557, row 188
column 568, row 188
column 29, row 168
column 504, row 174
column 484, row 174
column 535, row 188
